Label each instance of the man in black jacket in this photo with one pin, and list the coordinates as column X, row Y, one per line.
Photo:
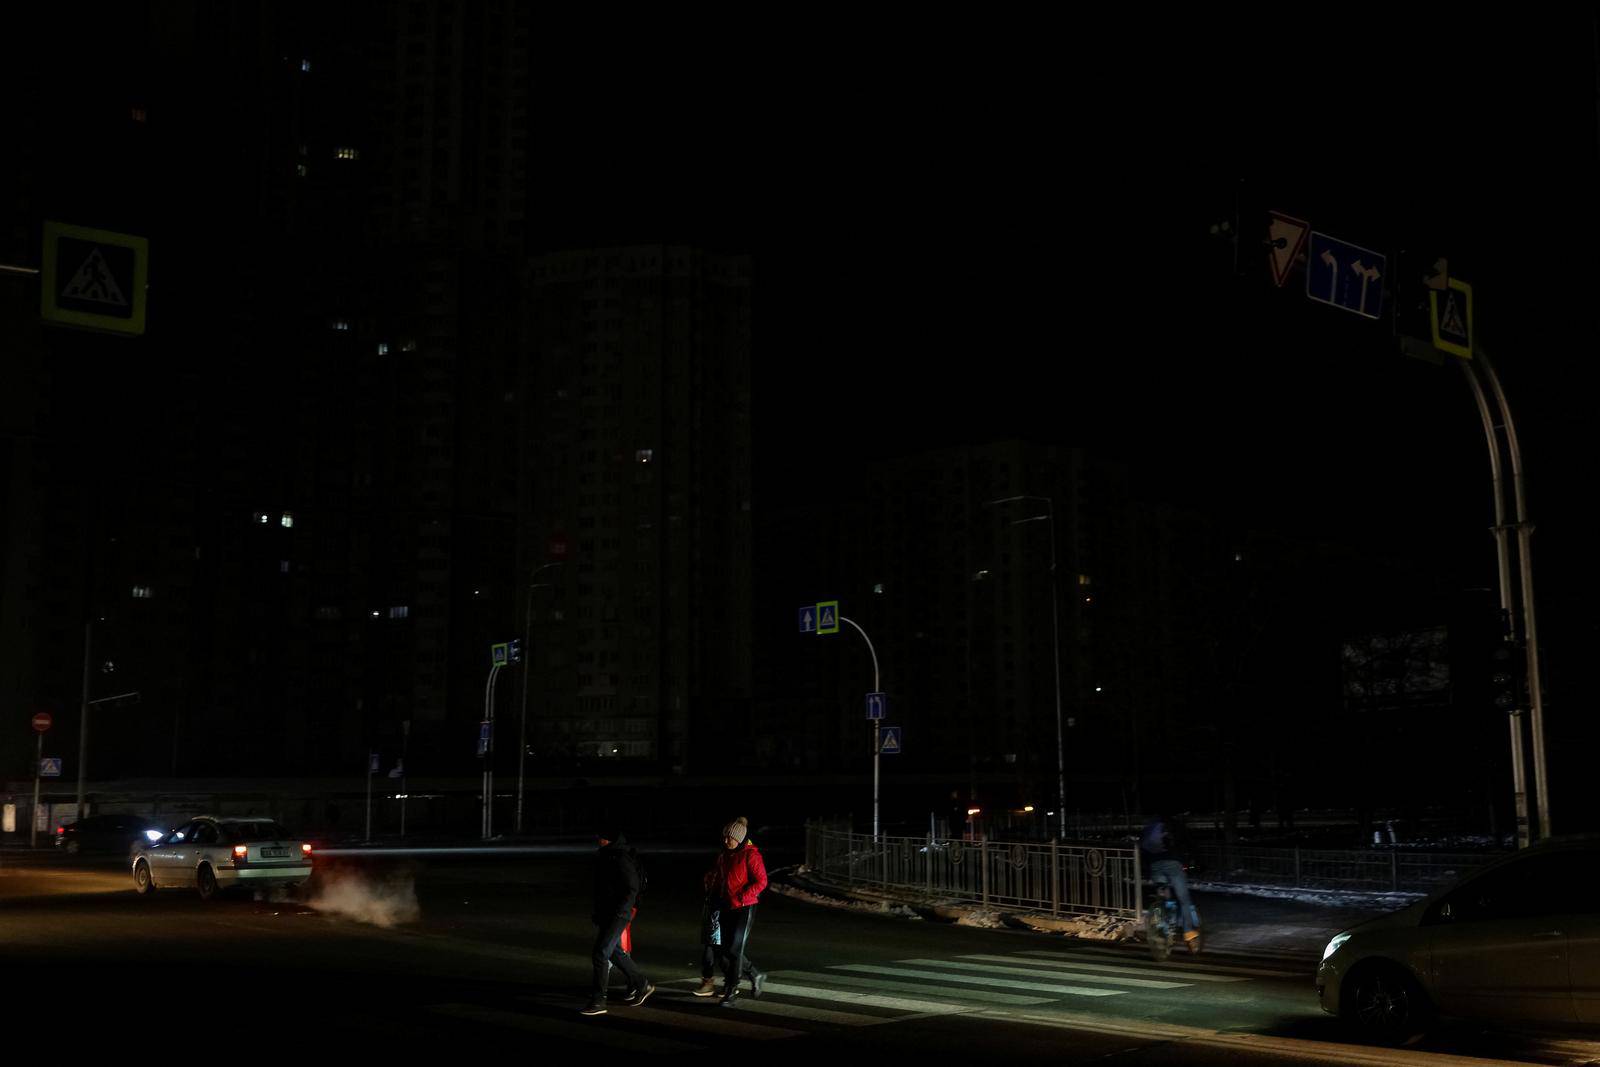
column 616, row 891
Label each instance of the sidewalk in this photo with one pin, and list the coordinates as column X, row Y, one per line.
column 1286, row 926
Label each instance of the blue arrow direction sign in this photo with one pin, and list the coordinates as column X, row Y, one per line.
column 484, row 729
column 890, row 744
column 50, row 767
column 1345, row 275
column 827, row 616
column 808, row 619
column 877, row 703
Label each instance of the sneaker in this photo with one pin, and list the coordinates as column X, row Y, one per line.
column 596, row 1007
column 1190, row 935
column 728, row 997
column 637, row 997
column 756, row 978
column 708, row 988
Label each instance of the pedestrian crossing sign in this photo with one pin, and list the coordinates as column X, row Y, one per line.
column 890, row 744
column 1452, row 318
column 93, row 279
column 827, row 616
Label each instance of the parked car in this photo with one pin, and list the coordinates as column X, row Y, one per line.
column 108, row 833
column 211, row 854
column 1518, row 942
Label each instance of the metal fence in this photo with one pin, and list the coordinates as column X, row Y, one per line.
column 1394, row 870
column 1060, row 878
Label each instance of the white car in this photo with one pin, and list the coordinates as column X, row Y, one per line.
column 210, row 854
column 1517, row 942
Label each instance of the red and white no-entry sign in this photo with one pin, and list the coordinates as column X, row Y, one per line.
column 41, row 721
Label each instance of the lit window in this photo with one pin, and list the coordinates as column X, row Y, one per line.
column 644, row 455
column 408, row 346
column 288, row 518
column 137, row 114
column 340, row 324
column 305, row 66
column 347, row 153
column 400, row 611
column 143, row 592
column 300, row 169
column 283, row 566
column 878, row 588
column 1084, row 579
column 383, row 348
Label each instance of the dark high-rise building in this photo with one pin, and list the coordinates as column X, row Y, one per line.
column 638, row 467
column 306, row 502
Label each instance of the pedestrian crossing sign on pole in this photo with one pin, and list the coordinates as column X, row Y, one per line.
column 93, row 279
column 50, row 767
column 1452, row 318
column 827, row 616
column 890, row 744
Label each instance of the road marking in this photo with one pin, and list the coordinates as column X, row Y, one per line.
column 872, row 1000
column 588, row 1031
column 1254, row 972
column 998, row 983
column 1111, row 968
column 1033, row 972
column 965, row 995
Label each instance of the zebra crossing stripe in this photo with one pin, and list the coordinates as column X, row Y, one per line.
column 1111, row 968
column 871, row 1000
column 1213, row 968
column 996, row 983
column 983, row 996
column 1033, row 972
column 586, row 1031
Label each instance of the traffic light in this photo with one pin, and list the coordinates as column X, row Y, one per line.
column 1505, row 676
column 515, row 655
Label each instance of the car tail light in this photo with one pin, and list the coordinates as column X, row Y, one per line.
column 241, row 855
column 305, row 850
column 61, row 829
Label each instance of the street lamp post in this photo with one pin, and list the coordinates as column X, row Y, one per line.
column 527, row 669
column 1055, row 648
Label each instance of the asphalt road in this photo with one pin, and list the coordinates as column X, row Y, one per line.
column 450, row 955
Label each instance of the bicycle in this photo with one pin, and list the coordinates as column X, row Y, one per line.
column 1163, row 923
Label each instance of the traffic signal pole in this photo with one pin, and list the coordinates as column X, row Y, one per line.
column 1519, row 784
column 1523, row 622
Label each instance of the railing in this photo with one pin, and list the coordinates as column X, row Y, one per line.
column 1060, row 878
column 1391, row 869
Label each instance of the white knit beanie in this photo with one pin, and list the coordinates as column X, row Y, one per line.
column 737, row 829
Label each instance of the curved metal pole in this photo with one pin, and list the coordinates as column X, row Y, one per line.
column 877, row 725
column 1530, row 629
column 1519, row 769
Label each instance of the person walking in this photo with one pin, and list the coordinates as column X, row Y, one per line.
column 740, row 876
column 710, row 933
column 616, row 891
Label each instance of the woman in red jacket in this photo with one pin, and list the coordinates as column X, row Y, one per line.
column 739, row 877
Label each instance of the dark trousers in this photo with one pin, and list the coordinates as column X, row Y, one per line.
column 608, row 951
column 736, row 923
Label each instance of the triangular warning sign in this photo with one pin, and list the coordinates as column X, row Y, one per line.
column 891, row 742
column 1286, row 238
column 1450, row 321
column 94, row 282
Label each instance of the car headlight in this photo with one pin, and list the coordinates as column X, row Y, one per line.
column 1333, row 946
column 154, row 835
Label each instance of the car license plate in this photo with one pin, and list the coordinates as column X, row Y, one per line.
column 275, row 853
